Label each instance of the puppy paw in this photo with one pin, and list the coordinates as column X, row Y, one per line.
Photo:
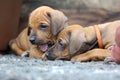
column 81, row 58
column 25, row 54
column 77, row 59
column 108, row 59
column 43, row 57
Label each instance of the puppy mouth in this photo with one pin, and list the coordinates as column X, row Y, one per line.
column 62, row 58
column 44, row 47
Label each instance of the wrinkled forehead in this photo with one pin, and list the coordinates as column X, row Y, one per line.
column 39, row 15
column 63, row 38
column 38, row 19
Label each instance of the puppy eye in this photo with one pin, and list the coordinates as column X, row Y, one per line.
column 43, row 27
column 61, row 44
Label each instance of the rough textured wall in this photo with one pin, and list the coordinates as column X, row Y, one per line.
column 94, row 5
column 80, row 5
column 83, row 12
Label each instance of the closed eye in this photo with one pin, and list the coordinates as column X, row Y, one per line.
column 43, row 27
column 61, row 44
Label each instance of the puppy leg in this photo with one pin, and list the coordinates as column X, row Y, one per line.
column 108, row 59
column 26, row 54
column 92, row 55
column 36, row 53
column 15, row 48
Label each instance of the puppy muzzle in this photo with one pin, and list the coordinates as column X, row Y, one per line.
column 32, row 39
column 43, row 46
column 53, row 57
column 49, row 55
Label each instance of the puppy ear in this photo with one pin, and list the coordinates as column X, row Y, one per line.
column 58, row 21
column 28, row 31
column 76, row 40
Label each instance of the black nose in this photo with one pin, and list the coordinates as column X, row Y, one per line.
column 49, row 56
column 32, row 39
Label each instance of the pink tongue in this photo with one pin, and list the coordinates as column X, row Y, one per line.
column 44, row 47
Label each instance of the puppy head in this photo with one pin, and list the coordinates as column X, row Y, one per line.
column 67, row 45
column 44, row 24
column 58, row 50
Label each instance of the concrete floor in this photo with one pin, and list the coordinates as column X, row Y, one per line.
column 21, row 68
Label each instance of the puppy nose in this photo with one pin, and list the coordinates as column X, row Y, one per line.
column 48, row 54
column 32, row 39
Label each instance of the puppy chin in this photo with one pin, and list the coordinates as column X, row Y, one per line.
column 54, row 57
column 62, row 58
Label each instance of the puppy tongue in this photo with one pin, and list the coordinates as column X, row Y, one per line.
column 44, row 47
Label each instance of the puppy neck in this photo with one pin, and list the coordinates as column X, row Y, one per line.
column 90, row 34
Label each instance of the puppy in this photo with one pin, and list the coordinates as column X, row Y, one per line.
column 115, row 49
column 43, row 26
column 80, row 44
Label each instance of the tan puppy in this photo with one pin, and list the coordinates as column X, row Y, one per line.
column 43, row 26
column 80, row 44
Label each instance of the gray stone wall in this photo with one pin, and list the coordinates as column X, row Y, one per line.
column 107, row 6
column 83, row 12
column 86, row 5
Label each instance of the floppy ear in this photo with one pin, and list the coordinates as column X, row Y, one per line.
column 58, row 21
column 76, row 41
column 28, row 31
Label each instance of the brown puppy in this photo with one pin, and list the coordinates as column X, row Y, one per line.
column 80, row 44
column 43, row 26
